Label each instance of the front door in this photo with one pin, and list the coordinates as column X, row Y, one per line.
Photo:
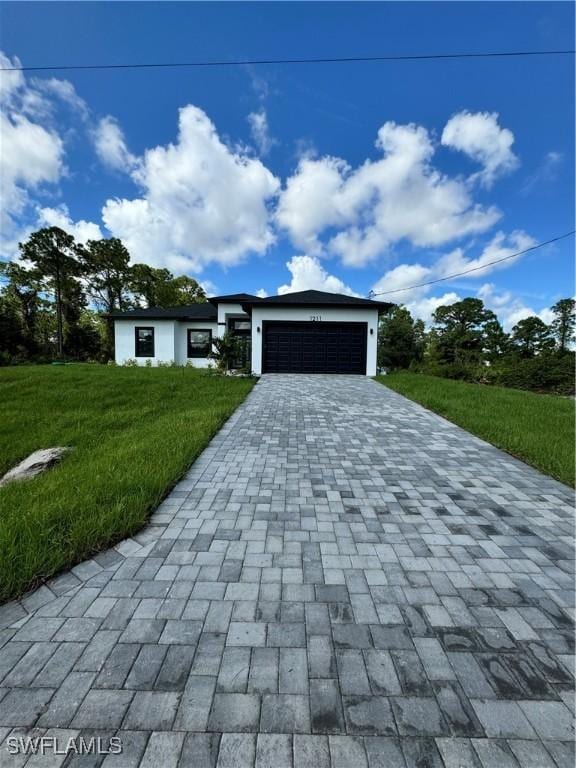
column 241, row 328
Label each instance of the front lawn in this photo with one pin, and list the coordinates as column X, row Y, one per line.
column 134, row 432
column 539, row 429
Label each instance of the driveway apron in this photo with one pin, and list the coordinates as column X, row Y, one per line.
column 341, row 579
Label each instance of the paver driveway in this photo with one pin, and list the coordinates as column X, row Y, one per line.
column 341, row 579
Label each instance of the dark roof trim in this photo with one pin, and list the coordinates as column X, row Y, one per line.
column 192, row 312
column 318, row 299
column 233, row 298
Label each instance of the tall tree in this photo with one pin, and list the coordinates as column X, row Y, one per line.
column 532, row 337
column 106, row 265
column 460, row 331
column 496, row 340
column 23, row 293
column 182, row 291
column 53, row 253
column 564, row 323
column 400, row 339
column 159, row 288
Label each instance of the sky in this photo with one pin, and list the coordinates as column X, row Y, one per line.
column 345, row 177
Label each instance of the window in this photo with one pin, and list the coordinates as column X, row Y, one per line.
column 239, row 326
column 144, row 342
column 199, row 342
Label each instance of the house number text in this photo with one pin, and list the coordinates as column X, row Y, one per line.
column 315, row 317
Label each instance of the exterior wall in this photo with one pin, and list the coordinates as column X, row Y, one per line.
column 226, row 310
column 182, row 344
column 325, row 314
column 125, row 345
column 170, row 341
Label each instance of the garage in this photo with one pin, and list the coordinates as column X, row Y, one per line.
column 314, row 347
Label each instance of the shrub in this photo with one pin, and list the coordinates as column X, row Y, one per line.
column 545, row 373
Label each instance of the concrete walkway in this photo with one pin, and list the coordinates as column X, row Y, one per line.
column 342, row 579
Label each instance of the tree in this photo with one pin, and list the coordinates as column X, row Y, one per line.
column 532, row 337
column 106, row 265
column 496, row 340
column 225, row 351
column 22, row 297
column 564, row 323
column 159, row 288
column 460, row 331
column 53, row 254
column 400, row 339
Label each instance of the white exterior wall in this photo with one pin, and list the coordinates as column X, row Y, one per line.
column 182, row 342
column 324, row 314
column 225, row 311
column 170, row 341
column 164, row 340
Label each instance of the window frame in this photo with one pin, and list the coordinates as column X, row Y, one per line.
column 239, row 331
column 188, row 349
column 139, row 328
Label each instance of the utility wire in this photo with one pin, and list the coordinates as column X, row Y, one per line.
column 254, row 62
column 474, row 269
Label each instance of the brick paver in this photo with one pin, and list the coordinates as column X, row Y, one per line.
column 341, row 579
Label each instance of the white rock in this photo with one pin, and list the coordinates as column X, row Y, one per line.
column 33, row 465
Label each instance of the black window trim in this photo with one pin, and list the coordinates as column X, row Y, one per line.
column 197, row 330
column 137, row 340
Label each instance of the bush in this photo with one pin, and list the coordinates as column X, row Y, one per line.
column 546, row 373
column 552, row 373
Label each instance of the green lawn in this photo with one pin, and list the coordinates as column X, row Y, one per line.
column 539, row 429
column 134, row 433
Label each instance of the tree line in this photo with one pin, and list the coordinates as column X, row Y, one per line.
column 54, row 300
column 467, row 341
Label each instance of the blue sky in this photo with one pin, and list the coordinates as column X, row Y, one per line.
column 270, row 178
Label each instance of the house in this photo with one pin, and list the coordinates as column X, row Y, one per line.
column 303, row 332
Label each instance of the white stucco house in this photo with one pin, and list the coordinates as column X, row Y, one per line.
column 303, row 332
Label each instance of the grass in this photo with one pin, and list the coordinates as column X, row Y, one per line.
column 539, row 429
column 134, row 432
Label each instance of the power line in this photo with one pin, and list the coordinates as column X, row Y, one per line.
column 474, row 269
column 255, row 62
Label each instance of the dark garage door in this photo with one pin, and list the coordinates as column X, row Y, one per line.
column 314, row 347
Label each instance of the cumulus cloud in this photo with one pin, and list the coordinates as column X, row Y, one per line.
column 60, row 217
column 418, row 299
column 364, row 211
column 32, row 156
column 261, row 293
column 201, row 201
column 510, row 308
column 110, row 146
column 260, row 132
column 308, row 274
column 480, row 137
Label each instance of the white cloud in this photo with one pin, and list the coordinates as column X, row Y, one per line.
column 418, row 300
column 261, row 293
column 423, row 308
column 364, row 211
column 480, row 137
column 65, row 92
column 260, row 131
column 60, row 217
column 308, row 274
column 110, row 146
column 31, row 156
column 546, row 172
column 10, row 81
column 509, row 308
column 202, row 202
